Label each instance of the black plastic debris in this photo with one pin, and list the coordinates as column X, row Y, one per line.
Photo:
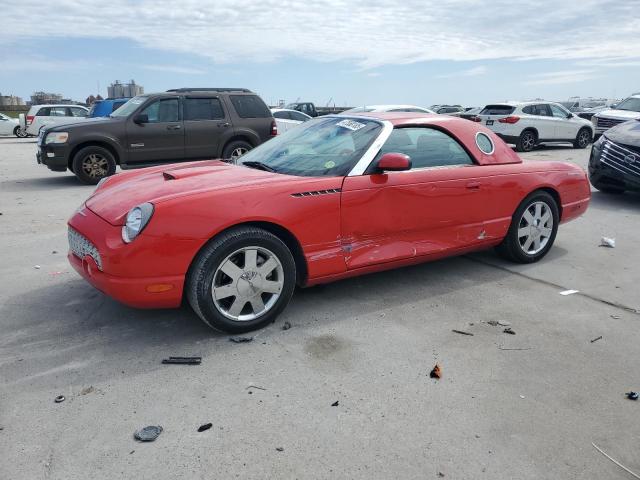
column 205, row 427
column 633, row 395
column 280, row 449
column 59, row 399
column 336, row 403
column 462, row 332
column 286, row 326
column 596, row 339
column 509, row 331
column 148, row 434
column 183, row 360
column 436, row 372
column 240, row 339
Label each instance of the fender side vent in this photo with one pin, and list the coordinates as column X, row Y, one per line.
column 315, row 193
column 168, row 176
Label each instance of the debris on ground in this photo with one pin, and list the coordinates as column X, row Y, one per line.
column 286, row 326
column 493, row 323
column 632, row 395
column 256, row 387
column 280, row 449
column 37, row 267
column 436, row 372
column 615, row 461
column 440, row 474
column 509, row 331
column 616, row 317
column 183, row 360
column 522, row 396
column 148, row 434
column 59, row 399
column 504, row 323
column 240, row 339
column 462, row 332
column 87, row 390
column 53, row 252
column 608, row 242
column 500, row 347
column 569, row 292
column 596, row 339
column 205, row 427
column 55, row 274
column 336, row 403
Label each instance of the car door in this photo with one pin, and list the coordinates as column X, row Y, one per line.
column 544, row 122
column 161, row 138
column 565, row 129
column 206, row 126
column 6, row 125
column 49, row 116
column 434, row 208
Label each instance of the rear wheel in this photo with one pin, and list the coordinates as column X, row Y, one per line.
column 583, row 139
column 526, row 142
column 92, row 164
column 242, row 280
column 236, row 149
column 533, row 229
column 16, row 131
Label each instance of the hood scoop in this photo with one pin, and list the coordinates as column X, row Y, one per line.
column 187, row 171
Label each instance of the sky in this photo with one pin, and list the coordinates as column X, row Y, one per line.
column 342, row 52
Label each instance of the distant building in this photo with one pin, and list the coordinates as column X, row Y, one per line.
column 127, row 90
column 10, row 100
column 44, row 98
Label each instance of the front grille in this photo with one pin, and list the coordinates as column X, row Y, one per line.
column 81, row 246
column 620, row 158
column 607, row 122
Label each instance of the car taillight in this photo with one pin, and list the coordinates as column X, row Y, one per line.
column 475, row 119
column 30, row 119
column 512, row 119
column 274, row 128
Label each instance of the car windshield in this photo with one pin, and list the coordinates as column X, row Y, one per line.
column 631, row 104
column 129, row 107
column 327, row 146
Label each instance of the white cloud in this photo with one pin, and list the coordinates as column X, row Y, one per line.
column 373, row 74
column 368, row 33
column 561, row 77
column 471, row 72
column 174, row 69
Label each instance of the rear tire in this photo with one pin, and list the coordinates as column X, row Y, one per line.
column 533, row 229
column 92, row 164
column 242, row 280
column 236, row 149
column 583, row 139
column 527, row 141
column 16, row 131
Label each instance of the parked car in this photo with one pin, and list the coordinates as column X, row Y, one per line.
column 308, row 108
column 588, row 113
column 627, row 109
column 104, row 108
column 336, row 197
column 181, row 124
column 287, row 119
column 468, row 113
column 40, row 116
column 614, row 165
column 387, row 108
column 527, row 124
column 446, row 109
column 577, row 104
column 9, row 126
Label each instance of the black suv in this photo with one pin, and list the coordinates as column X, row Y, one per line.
column 180, row 124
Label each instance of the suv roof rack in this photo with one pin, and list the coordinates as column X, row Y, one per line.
column 213, row 89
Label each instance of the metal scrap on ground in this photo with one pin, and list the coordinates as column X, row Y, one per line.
column 183, row 360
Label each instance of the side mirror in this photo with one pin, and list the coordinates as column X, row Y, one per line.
column 569, row 115
column 394, row 162
column 141, row 118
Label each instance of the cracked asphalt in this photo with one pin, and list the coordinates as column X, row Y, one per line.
column 525, row 406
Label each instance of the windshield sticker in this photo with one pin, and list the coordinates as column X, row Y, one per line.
column 351, row 125
column 330, row 164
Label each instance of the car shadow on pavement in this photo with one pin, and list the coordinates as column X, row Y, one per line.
column 609, row 201
column 69, row 327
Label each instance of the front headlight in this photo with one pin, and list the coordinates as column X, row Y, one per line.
column 56, row 137
column 598, row 143
column 137, row 219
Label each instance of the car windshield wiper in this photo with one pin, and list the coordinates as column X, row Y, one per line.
column 260, row 166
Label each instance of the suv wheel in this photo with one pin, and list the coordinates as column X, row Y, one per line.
column 236, row 149
column 92, row 164
column 583, row 138
column 241, row 280
column 526, row 142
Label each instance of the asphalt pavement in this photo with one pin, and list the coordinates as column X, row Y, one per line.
column 523, row 406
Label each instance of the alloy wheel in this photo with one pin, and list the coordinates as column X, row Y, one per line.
column 535, row 228
column 247, row 284
column 528, row 141
column 583, row 138
column 238, row 152
column 95, row 165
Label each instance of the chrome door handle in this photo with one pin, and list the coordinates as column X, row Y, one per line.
column 174, row 127
column 225, row 124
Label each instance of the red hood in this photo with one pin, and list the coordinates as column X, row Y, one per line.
column 124, row 191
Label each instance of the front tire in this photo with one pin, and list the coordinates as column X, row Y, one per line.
column 526, row 141
column 236, row 149
column 242, row 280
column 533, row 229
column 92, row 164
column 583, row 139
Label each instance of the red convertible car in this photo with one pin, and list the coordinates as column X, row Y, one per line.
column 338, row 196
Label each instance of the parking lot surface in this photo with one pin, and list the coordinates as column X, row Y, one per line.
column 525, row 406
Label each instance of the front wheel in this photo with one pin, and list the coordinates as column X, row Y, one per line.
column 92, row 164
column 242, row 280
column 583, row 139
column 533, row 229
